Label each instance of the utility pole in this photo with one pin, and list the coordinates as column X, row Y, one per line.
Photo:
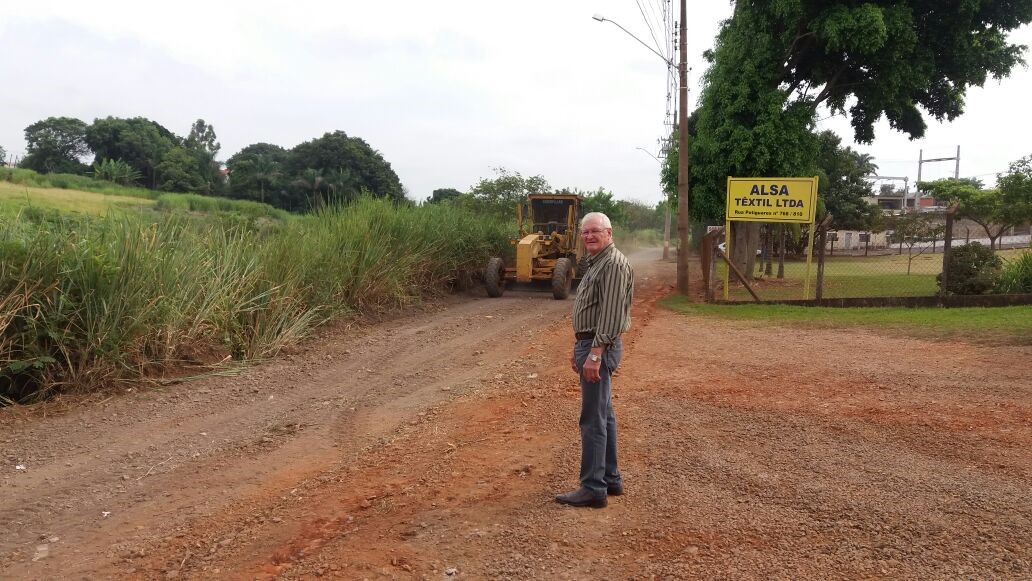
column 682, row 156
column 920, row 162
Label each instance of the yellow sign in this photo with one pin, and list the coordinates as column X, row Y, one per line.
column 772, row 199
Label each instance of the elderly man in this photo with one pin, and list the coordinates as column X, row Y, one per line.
column 601, row 313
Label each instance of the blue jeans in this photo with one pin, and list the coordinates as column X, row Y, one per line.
column 597, row 420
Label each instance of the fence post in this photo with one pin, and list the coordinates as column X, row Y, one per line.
column 947, row 249
column 822, row 232
column 708, row 257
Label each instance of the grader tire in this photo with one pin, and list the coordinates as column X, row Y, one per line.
column 582, row 266
column 494, row 277
column 562, row 278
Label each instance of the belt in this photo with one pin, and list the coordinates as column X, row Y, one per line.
column 585, row 336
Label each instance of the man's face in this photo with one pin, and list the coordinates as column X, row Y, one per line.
column 596, row 236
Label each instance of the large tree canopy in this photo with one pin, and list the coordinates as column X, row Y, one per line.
column 140, row 142
column 257, row 172
column 56, row 145
column 886, row 57
column 348, row 165
column 442, row 195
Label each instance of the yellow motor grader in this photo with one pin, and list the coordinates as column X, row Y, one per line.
column 548, row 249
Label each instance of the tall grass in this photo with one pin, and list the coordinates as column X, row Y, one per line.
column 1016, row 276
column 87, row 300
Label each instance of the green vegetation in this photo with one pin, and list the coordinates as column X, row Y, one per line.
column 995, row 210
column 1002, row 325
column 776, row 64
column 86, row 300
column 25, row 189
column 16, row 198
column 1016, row 276
column 31, row 178
column 211, row 205
column 853, row 276
column 334, row 168
column 974, row 269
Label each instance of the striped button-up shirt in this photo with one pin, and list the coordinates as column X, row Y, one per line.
column 603, row 304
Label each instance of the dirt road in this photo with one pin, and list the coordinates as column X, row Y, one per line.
column 431, row 447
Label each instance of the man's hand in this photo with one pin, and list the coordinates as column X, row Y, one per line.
column 591, row 368
column 573, row 364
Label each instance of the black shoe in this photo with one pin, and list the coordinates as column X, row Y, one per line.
column 582, row 497
column 614, row 489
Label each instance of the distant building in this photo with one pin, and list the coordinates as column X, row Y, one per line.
column 856, row 240
column 892, row 204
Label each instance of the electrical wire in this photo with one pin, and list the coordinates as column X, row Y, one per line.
column 648, row 24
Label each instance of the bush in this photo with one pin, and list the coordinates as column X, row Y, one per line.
column 1016, row 277
column 974, row 270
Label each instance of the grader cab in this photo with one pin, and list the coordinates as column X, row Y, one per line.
column 548, row 249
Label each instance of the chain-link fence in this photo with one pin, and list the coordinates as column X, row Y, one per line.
column 905, row 259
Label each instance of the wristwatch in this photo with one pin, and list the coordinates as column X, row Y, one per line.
column 594, row 357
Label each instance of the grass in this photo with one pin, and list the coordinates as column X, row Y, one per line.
column 63, row 181
column 212, row 205
column 15, row 198
column 88, row 300
column 852, row 276
column 26, row 192
column 1002, row 325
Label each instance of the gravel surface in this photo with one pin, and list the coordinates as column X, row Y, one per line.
column 431, row 446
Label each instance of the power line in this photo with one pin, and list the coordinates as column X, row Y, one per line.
column 648, row 24
column 656, row 19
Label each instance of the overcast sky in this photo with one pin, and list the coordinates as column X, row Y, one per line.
column 445, row 90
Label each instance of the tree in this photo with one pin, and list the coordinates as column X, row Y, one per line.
column 442, row 195
column 117, row 171
column 202, row 138
column 178, row 171
column 503, row 193
column 913, row 229
column 334, row 152
column 3, row 156
column 776, row 62
column 201, row 143
column 140, row 142
column 1016, row 191
column 257, row 171
column 842, row 185
column 640, row 216
column 56, row 145
column 885, row 58
column 312, row 182
column 747, row 126
column 601, row 200
column 995, row 210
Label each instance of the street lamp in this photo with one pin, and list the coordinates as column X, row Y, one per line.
column 601, row 18
column 682, row 129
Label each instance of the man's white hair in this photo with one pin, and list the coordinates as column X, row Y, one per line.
column 597, row 216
